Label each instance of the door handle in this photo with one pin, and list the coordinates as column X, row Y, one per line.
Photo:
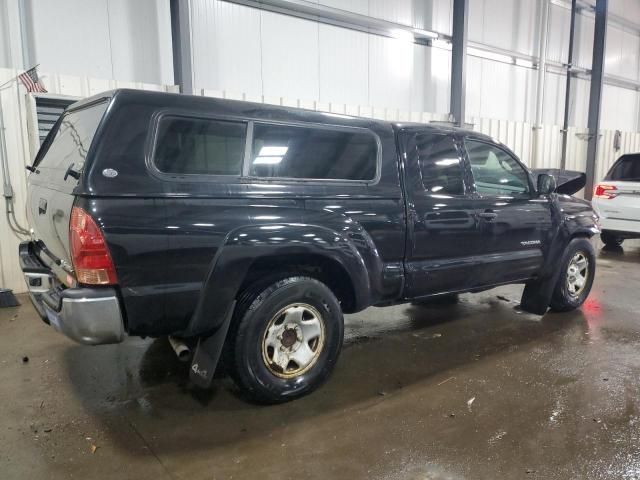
column 488, row 215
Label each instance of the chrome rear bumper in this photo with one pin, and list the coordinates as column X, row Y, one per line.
column 87, row 315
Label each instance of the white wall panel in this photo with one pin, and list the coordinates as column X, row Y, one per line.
column 226, row 47
column 344, row 65
column 441, row 16
column 57, row 30
column 140, row 40
column 437, row 81
column 621, row 53
column 103, row 38
column 584, row 41
column 499, row 90
column 397, row 11
column 424, row 14
column 619, row 109
column 558, row 30
column 6, row 59
column 628, row 9
column 289, row 56
column 507, row 24
column 355, row 6
column 391, row 63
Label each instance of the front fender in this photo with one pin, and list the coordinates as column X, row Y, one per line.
column 572, row 217
column 348, row 245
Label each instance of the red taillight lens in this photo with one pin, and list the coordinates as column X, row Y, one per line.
column 605, row 191
column 89, row 252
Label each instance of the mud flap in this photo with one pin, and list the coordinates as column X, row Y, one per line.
column 537, row 294
column 207, row 354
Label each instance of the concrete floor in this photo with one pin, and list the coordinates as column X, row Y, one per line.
column 474, row 390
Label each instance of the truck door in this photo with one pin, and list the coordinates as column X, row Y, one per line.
column 443, row 236
column 514, row 222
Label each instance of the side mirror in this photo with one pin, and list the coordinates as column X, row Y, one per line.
column 546, row 184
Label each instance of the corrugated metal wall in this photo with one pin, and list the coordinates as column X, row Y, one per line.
column 22, row 141
column 287, row 56
column 263, row 53
column 123, row 39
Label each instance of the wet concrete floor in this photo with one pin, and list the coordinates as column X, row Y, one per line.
column 473, row 390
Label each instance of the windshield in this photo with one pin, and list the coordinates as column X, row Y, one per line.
column 72, row 139
column 626, row 168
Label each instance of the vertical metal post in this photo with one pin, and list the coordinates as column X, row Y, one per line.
column 595, row 95
column 181, row 43
column 567, row 90
column 26, row 35
column 459, row 61
column 542, row 71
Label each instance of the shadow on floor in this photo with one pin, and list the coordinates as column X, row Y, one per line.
column 386, row 350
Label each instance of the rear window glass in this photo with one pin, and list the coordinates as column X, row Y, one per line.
column 626, row 168
column 72, row 139
column 200, row 146
column 314, row 153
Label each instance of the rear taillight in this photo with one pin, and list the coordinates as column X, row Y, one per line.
column 91, row 259
column 605, row 191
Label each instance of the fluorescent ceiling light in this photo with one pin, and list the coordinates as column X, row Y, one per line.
column 401, row 34
column 273, row 151
column 524, row 63
column 267, row 160
column 498, row 57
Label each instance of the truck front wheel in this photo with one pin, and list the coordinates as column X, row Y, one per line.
column 577, row 271
column 285, row 339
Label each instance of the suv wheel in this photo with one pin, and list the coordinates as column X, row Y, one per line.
column 578, row 268
column 610, row 239
column 285, row 340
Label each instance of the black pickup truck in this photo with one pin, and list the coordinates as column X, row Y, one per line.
column 245, row 230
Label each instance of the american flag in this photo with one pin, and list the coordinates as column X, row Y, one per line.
column 30, row 80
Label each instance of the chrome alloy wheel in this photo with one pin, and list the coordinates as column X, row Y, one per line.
column 293, row 340
column 577, row 273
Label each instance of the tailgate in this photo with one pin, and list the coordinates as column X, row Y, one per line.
column 626, row 203
column 59, row 166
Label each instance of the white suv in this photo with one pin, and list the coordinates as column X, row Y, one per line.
column 617, row 201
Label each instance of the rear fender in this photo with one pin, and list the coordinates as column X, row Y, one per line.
column 351, row 247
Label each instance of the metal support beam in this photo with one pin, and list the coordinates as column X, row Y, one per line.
column 567, row 90
column 339, row 17
column 181, row 43
column 543, row 29
column 459, row 61
column 595, row 95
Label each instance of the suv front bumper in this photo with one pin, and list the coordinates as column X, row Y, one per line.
column 87, row 315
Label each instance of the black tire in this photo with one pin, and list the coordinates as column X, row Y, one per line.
column 256, row 309
column 611, row 240
column 446, row 299
column 563, row 300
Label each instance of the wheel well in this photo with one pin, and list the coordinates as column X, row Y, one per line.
column 328, row 271
column 586, row 235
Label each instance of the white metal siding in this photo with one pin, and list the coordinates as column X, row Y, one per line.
column 121, row 39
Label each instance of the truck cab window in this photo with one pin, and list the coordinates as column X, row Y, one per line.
column 495, row 171
column 440, row 164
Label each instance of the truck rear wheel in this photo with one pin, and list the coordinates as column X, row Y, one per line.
column 578, row 268
column 285, row 339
